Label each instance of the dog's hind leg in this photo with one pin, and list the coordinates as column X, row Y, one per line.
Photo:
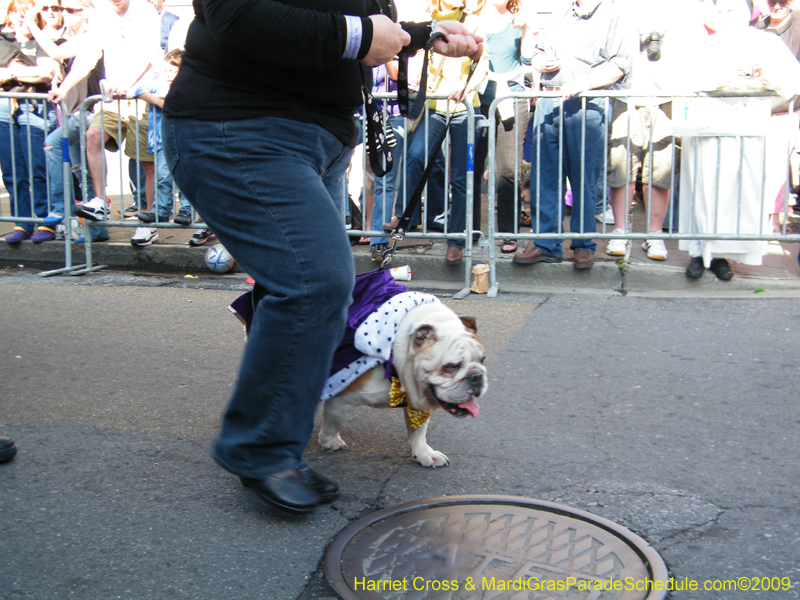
column 335, row 413
column 420, row 451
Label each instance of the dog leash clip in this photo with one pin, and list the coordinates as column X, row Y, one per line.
column 397, row 235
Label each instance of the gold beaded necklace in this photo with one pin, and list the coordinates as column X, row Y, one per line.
column 397, row 397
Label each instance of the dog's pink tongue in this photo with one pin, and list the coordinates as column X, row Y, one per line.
column 471, row 407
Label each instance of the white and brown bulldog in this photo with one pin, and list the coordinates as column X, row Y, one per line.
column 438, row 363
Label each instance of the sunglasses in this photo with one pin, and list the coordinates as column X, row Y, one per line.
column 779, row 2
column 51, row 9
column 72, row 11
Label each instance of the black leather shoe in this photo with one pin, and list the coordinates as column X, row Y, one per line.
column 696, row 267
column 7, row 449
column 327, row 489
column 286, row 491
column 721, row 268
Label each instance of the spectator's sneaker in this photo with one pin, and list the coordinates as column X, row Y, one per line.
column 53, row 219
column 43, row 234
column 94, row 210
column 144, row 236
column 184, row 217
column 377, row 252
column 201, row 236
column 606, row 217
column 617, row 247
column 82, row 240
column 656, row 250
column 131, row 210
column 76, row 229
column 17, row 236
column 146, row 217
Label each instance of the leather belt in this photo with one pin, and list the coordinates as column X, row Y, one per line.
column 546, row 88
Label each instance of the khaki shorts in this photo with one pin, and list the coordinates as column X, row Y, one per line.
column 661, row 118
column 109, row 124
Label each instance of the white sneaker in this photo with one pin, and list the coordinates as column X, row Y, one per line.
column 656, row 250
column 606, row 217
column 144, row 236
column 617, row 247
column 94, row 210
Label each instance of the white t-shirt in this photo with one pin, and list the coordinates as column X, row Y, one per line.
column 129, row 42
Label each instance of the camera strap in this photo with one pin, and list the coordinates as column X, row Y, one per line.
column 379, row 136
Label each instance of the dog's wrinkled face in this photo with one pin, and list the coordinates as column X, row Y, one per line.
column 448, row 366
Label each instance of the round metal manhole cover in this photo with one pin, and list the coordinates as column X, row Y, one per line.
column 491, row 547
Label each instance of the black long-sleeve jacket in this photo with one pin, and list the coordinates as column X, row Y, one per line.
column 252, row 58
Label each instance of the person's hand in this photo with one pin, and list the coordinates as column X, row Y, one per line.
column 461, row 42
column 116, row 91
column 457, row 94
column 573, row 88
column 30, row 15
column 56, row 96
column 545, row 65
column 388, row 38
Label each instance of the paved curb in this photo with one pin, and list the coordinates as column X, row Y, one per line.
column 430, row 268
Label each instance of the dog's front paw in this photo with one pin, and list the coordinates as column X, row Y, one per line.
column 334, row 443
column 431, row 458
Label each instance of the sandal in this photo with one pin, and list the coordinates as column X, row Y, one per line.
column 508, row 247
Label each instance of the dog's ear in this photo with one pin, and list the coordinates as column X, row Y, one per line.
column 424, row 336
column 470, row 323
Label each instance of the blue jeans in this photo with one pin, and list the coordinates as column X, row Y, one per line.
column 435, row 197
column 165, row 189
column 271, row 189
column 137, row 175
column 548, row 122
column 385, row 186
column 55, row 170
column 23, row 169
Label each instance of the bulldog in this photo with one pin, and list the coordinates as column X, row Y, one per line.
column 438, row 362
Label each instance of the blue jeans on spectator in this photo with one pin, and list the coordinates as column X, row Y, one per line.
column 22, row 167
column 271, row 189
column 137, row 176
column 385, row 186
column 165, row 189
column 435, row 197
column 589, row 160
column 55, row 171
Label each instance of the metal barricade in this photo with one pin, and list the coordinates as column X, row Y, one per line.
column 140, row 185
column 400, row 153
column 717, row 233
column 26, row 120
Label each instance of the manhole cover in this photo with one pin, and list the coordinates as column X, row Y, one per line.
column 491, row 547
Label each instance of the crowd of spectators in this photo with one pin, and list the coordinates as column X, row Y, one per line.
column 125, row 50
column 129, row 50
column 650, row 48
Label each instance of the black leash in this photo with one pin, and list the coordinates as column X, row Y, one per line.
column 399, row 232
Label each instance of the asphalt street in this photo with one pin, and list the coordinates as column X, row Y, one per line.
column 675, row 417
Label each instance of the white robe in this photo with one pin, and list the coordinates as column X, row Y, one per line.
column 705, row 206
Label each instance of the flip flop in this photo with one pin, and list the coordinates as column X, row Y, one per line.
column 508, row 247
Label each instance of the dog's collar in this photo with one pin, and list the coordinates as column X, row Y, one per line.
column 398, row 398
